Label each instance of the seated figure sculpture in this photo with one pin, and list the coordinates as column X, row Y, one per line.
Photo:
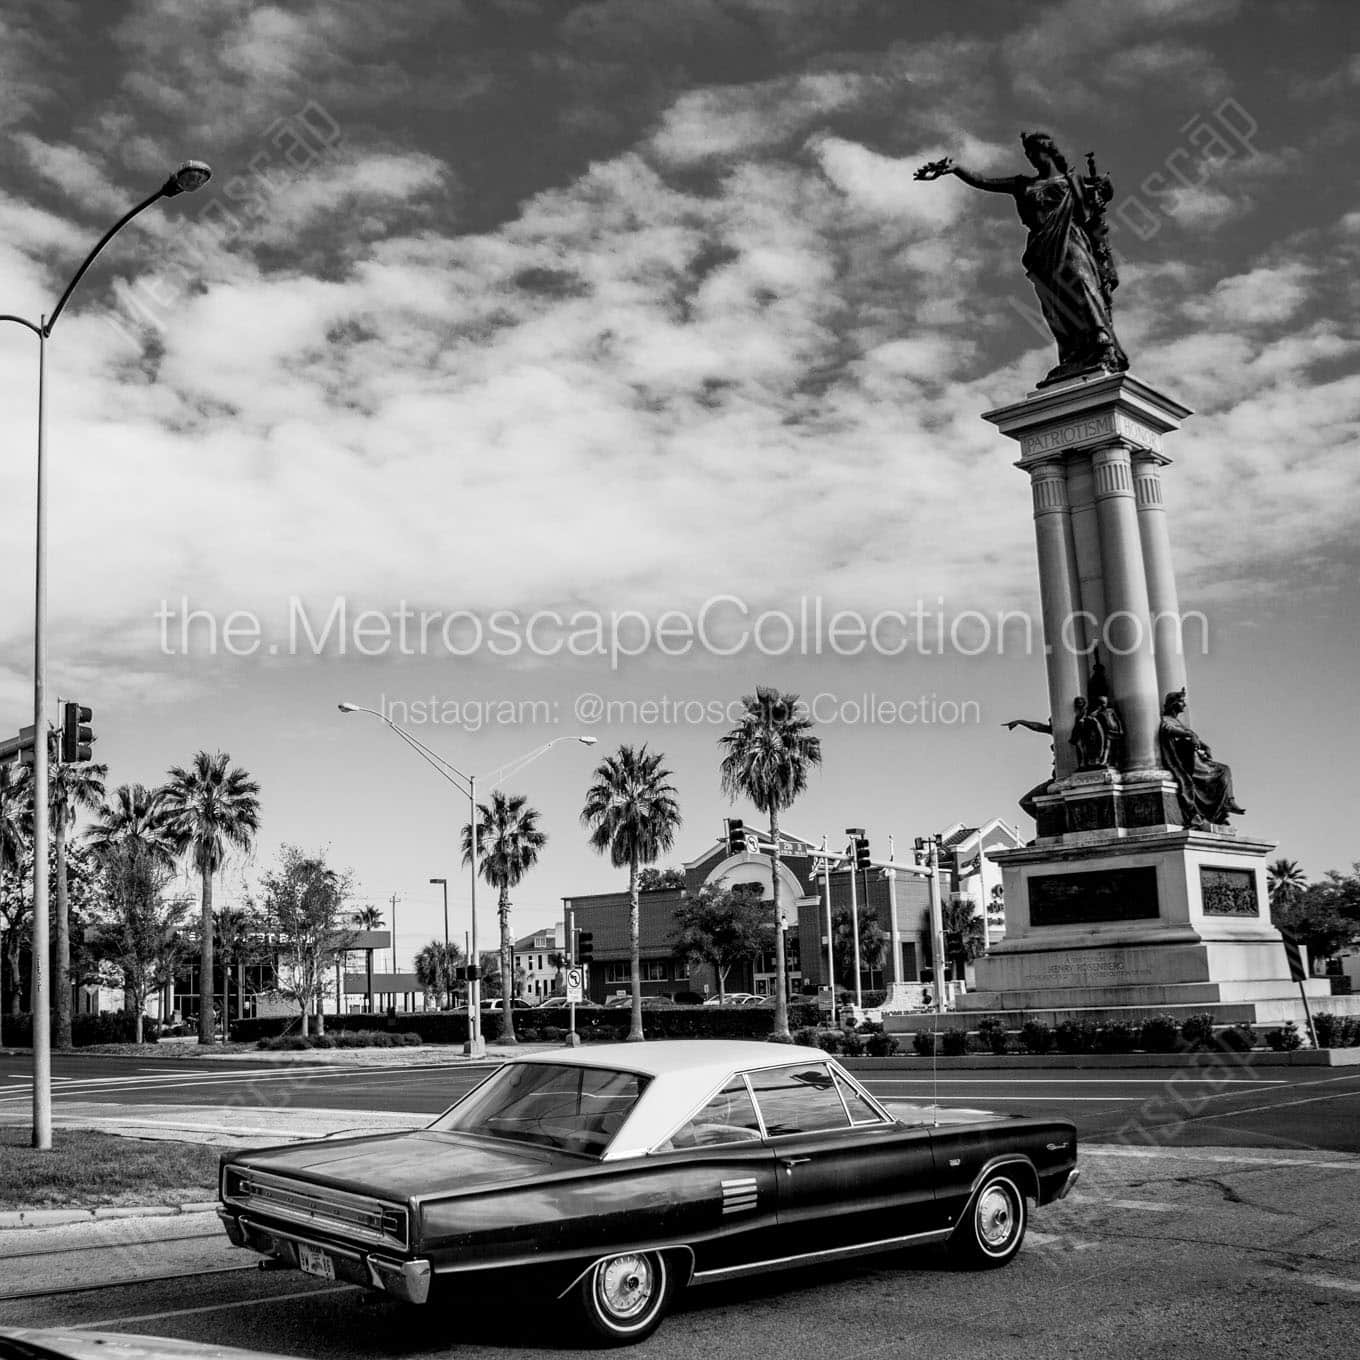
column 1204, row 785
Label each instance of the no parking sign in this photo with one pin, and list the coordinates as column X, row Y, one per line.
column 575, row 984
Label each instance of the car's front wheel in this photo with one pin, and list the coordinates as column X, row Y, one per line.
column 995, row 1225
column 623, row 1298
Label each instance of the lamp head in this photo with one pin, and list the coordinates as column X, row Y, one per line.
column 348, row 708
column 190, row 176
column 440, row 880
column 587, row 741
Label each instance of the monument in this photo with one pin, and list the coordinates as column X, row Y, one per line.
column 1136, row 896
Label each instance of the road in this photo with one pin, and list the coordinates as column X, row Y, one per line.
column 1159, row 1252
column 1227, row 1105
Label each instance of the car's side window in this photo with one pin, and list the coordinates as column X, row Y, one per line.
column 728, row 1118
column 861, row 1112
column 801, row 1099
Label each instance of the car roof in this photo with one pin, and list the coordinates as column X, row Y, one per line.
column 686, row 1073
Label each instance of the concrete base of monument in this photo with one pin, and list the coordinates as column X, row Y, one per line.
column 1126, row 922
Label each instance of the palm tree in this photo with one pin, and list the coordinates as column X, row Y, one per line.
column 210, row 807
column 1286, row 881
column 509, row 841
column 369, row 918
column 632, row 814
column 135, row 815
column 436, row 965
column 769, row 754
column 73, row 785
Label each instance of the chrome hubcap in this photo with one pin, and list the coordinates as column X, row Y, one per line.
column 995, row 1218
column 626, row 1286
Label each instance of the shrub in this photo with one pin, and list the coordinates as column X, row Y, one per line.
column 923, row 1041
column 1075, row 1036
column 953, row 1042
column 1286, row 1038
column 1161, row 1034
column 852, row 1044
column 1198, row 1030
column 1330, row 1029
column 881, row 1044
column 993, row 1034
column 1117, row 1036
column 828, row 1040
column 1351, row 1037
column 807, row 1036
column 1036, row 1037
column 1236, row 1038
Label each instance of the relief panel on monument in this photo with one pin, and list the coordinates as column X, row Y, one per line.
column 1091, row 898
column 1228, row 892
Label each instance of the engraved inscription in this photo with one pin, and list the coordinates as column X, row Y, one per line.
column 1228, row 892
column 1089, row 898
column 1077, row 433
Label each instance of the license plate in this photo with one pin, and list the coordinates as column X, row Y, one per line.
column 315, row 1262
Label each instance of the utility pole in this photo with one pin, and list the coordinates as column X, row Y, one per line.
column 394, row 949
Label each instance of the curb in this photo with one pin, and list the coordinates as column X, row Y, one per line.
column 909, row 1062
column 60, row 1218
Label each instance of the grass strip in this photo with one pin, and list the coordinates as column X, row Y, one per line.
column 85, row 1170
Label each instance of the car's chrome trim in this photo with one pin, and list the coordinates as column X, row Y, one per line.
column 1006, row 1159
column 810, row 1257
column 1069, row 1182
column 318, row 1207
column 406, row 1279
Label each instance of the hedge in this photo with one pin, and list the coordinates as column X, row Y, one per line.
column 108, row 1027
column 593, row 1023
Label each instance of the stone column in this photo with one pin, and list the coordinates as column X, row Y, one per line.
column 894, row 936
column 1167, row 640
column 1127, row 629
column 1057, row 594
column 1081, row 494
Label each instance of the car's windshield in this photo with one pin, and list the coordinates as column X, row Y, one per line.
column 576, row 1109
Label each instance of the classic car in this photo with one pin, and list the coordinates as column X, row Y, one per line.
column 620, row 1173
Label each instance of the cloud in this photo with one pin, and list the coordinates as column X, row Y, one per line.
column 1265, row 296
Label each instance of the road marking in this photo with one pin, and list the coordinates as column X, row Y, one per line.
column 1218, row 1155
column 212, row 1308
column 1327, row 1282
column 1151, row 1204
column 1074, row 1081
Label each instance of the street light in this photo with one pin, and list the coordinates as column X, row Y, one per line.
column 467, row 784
column 190, row 176
column 445, row 883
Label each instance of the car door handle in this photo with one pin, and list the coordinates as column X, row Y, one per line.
column 788, row 1163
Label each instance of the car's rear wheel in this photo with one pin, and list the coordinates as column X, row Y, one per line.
column 623, row 1298
column 994, row 1227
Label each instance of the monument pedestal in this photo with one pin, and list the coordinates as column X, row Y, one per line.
column 1127, row 903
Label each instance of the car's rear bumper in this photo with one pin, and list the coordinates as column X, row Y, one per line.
column 403, row 1279
column 1070, row 1180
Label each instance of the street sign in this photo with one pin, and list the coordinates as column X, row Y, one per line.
column 575, row 984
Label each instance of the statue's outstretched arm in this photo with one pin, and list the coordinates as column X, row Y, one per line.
column 1007, row 184
column 1030, row 723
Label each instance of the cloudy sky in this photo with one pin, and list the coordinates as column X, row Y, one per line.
column 513, row 308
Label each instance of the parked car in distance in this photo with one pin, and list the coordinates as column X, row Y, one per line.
column 608, row 1178
column 553, row 1003
column 497, row 1003
column 730, row 999
column 648, row 1003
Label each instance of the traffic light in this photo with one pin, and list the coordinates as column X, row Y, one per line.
column 585, row 946
column 861, row 852
column 76, row 735
column 736, row 837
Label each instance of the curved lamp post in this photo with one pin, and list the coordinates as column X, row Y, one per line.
column 467, row 785
column 190, row 176
column 448, row 990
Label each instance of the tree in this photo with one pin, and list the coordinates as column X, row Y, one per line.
column 1325, row 915
column 632, row 814
column 965, row 932
column 72, row 786
column 769, row 754
column 1286, row 882
column 509, row 839
column 14, row 907
column 210, row 808
column 368, row 918
column 305, row 901
column 437, row 967
column 721, row 927
column 652, row 879
column 872, row 942
column 139, row 933
column 135, row 815
column 237, row 932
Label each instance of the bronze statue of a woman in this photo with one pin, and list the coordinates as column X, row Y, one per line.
column 1067, row 257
